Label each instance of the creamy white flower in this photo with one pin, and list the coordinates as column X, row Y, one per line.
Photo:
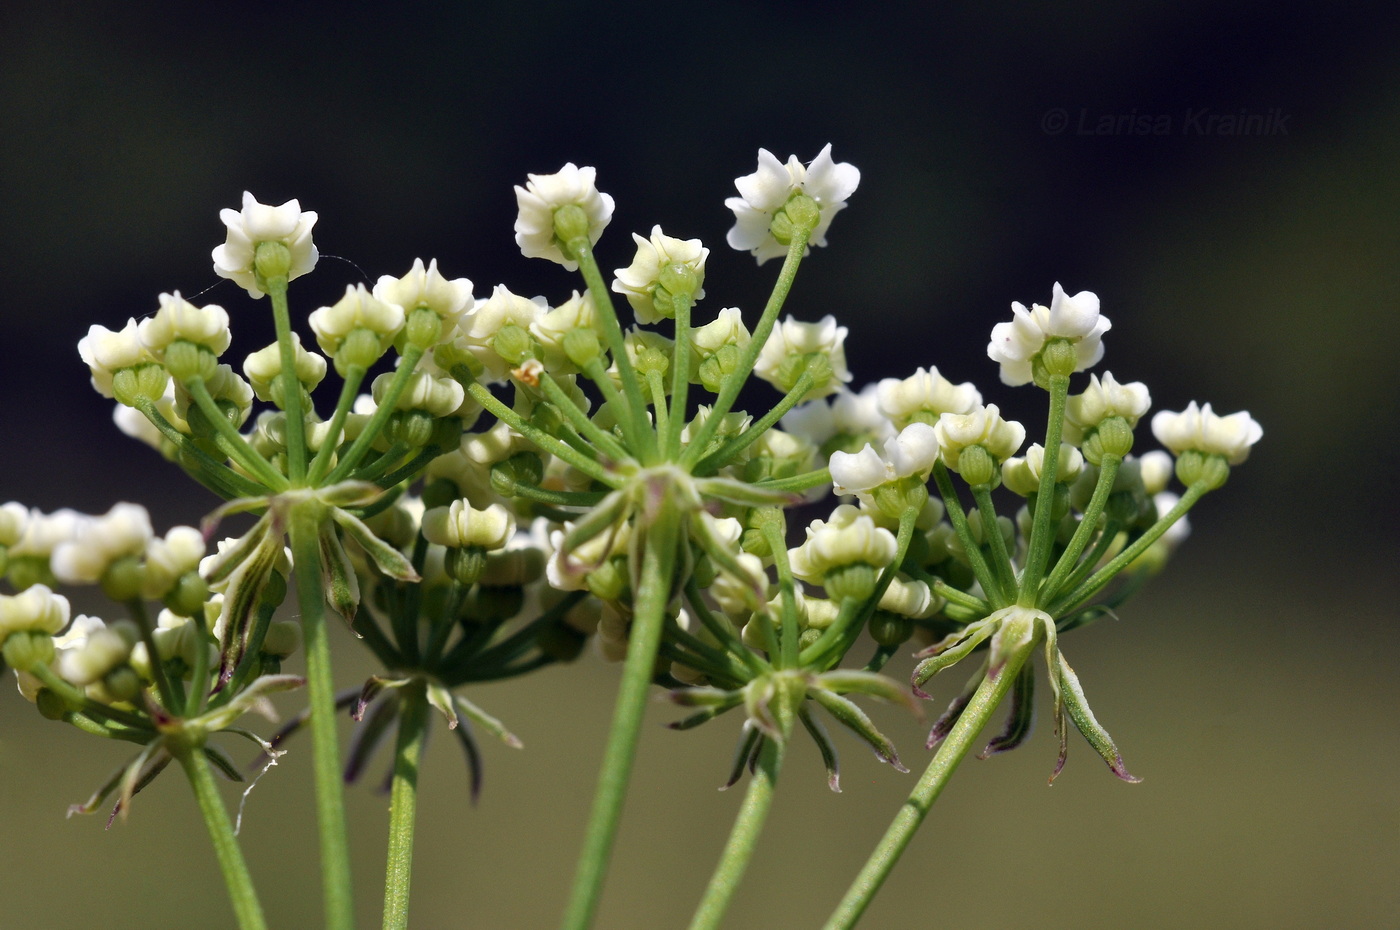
column 358, row 309
column 542, row 195
column 983, row 426
column 13, row 517
column 256, row 223
column 438, row 397
column 477, row 330
column 907, row 598
column 121, row 532
column 1021, row 475
column 106, row 352
column 1104, row 398
column 264, row 367
column 849, row 537
column 459, row 525
column 792, row 339
column 178, row 320
column 90, row 649
column 768, row 190
column 727, row 329
column 638, row 282
column 224, row 384
column 1156, row 469
column 845, row 414
column 578, row 312
column 913, row 451
column 924, row 392
column 1016, row 344
column 1202, row 430
column 36, row 609
column 428, row 289
column 42, row 532
column 168, row 558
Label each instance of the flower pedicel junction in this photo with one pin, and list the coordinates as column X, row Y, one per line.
column 501, row 479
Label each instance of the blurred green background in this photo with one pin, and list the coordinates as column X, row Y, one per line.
column 1254, row 686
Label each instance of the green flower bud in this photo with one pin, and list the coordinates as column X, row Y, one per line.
column 570, row 223
column 977, row 466
column 422, row 329
column 1208, row 468
column 26, row 649
column 272, row 259
column 188, row 360
column 890, row 630
column 856, row 580
column 582, row 346
column 139, row 383
column 513, row 344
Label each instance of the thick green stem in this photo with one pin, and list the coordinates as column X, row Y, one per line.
column 958, row 518
column 213, row 474
column 991, row 529
column 877, row 868
column 291, row 385
column 680, row 378
column 732, row 447
column 241, row 893
column 658, row 566
column 1042, row 532
column 330, row 793
column 743, row 838
column 403, row 803
column 233, row 443
column 729, row 390
column 569, row 409
column 545, row 441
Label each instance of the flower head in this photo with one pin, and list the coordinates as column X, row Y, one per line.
column 543, row 195
column 925, row 395
column 256, row 223
column 107, row 352
column 1202, row 430
column 789, row 350
column 767, row 191
column 1017, row 345
column 662, row 264
column 428, row 289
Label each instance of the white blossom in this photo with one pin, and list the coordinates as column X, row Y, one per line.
column 427, row 288
column 1015, row 344
column 1104, row 398
column 792, row 339
column 178, row 320
column 120, row 532
column 912, row 452
column 542, row 195
column 107, row 352
column 358, row 309
column 1202, row 430
column 983, row 426
column 768, row 190
column 264, row 367
column 36, row 609
column 1021, row 475
column 924, row 392
column 256, row 223
column 849, row 537
column 639, row 281
column 459, row 525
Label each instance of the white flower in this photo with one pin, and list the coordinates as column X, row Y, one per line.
column 926, row 392
column 542, row 195
column 477, row 330
column 178, row 320
column 122, row 531
column 223, row 384
column 264, row 368
column 42, row 532
column 792, row 339
column 459, row 525
column 438, row 397
column 849, row 537
column 727, row 329
column 427, row 288
column 90, row 649
column 768, row 190
column 1022, row 475
column 1014, row 345
column 549, row 329
column 36, row 609
column 639, row 281
column 913, row 451
column 106, row 352
column 845, row 414
column 1156, row 469
column 13, row 517
column 983, row 426
column 358, row 309
column 256, row 223
column 1104, row 398
column 1202, row 430
column 168, row 558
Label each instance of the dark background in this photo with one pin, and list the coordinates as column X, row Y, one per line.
column 1254, row 686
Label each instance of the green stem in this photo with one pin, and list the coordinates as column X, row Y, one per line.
column 143, row 624
column 354, row 377
column 743, row 838
column 408, row 361
column 991, row 529
column 591, row 431
column 958, row 518
column 877, row 868
column 802, row 482
column 403, row 803
column 658, row 566
column 233, row 442
column 633, row 416
column 241, row 893
column 775, row 534
column 1088, row 523
column 213, row 474
column 291, row 385
column 729, row 390
column 330, row 794
column 1122, row 560
column 725, row 453
column 680, row 377
column 1042, row 532
column 545, row 441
